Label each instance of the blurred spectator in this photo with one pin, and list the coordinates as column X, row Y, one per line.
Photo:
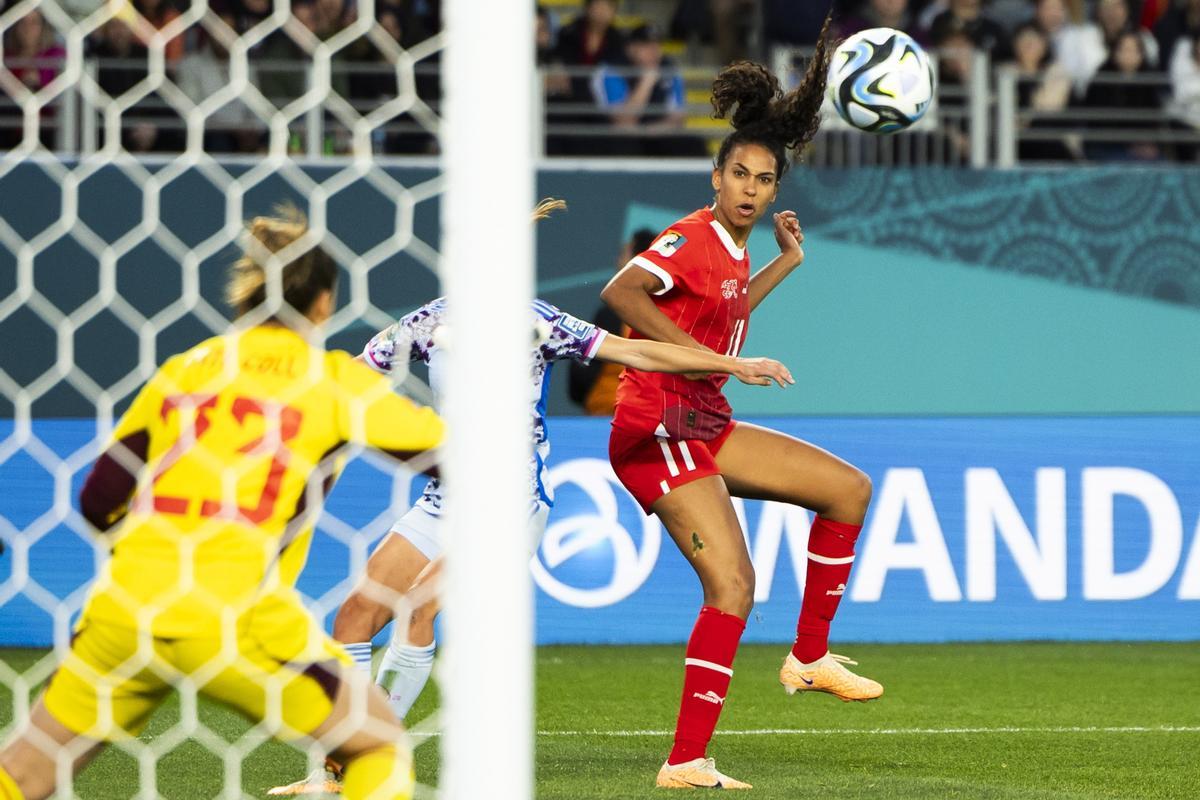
column 1152, row 12
column 751, row 28
column 645, row 96
column 1009, row 13
column 1068, row 39
column 1124, row 101
column 280, row 79
column 1113, row 17
column 1185, row 81
column 786, row 22
column 409, row 28
column 122, row 64
column 1181, row 20
column 1043, row 90
column 1087, row 46
column 202, row 73
column 333, row 15
column 591, row 38
column 406, row 29
column 929, row 10
column 246, row 13
column 543, row 35
column 588, row 41
column 32, row 52
column 967, row 17
column 556, row 84
column 882, row 14
column 158, row 14
column 956, row 55
column 593, row 386
column 727, row 24
column 34, row 57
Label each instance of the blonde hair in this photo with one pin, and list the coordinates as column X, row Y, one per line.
column 547, row 207
column 303, row 278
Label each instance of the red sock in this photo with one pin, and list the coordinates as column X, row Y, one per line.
column 708, row 668
column 830, row 556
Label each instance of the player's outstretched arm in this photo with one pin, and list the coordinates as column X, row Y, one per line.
column 661, row 357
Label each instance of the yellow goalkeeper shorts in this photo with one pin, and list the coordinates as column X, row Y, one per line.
column 285, row 676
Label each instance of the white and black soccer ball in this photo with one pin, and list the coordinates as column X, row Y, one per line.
column 880, row 80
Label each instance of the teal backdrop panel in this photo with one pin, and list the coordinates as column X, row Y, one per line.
column 926, row 291
column 944, row 292
column 869, row 331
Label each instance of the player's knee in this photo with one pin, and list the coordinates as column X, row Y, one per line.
column 859, row 490
column 356, row 618
column 30, row 770
column 420, row 626
column 733, row 592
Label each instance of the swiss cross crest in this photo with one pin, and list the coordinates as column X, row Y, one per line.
column 729, row 288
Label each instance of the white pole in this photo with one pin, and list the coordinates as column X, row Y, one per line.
column 1006, row 116
column 980, row 102
column 90, row 135
column 487, row 275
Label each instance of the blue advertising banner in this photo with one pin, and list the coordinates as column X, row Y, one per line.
column 980, row 529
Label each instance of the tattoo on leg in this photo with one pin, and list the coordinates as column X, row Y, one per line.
column 697, row 544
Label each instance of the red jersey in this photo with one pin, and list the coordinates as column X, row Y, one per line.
column 706, row 281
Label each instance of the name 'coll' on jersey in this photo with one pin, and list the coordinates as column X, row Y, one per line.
column 413, row 338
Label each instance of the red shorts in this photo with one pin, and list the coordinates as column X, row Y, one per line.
column 650, row 466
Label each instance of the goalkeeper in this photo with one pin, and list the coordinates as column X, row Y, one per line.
column 210, row 490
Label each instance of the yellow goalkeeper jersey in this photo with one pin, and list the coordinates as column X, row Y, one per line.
column 242, row 435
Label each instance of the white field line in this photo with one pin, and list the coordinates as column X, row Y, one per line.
column 880, row 731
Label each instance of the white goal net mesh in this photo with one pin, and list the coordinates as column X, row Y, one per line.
column 120, row 213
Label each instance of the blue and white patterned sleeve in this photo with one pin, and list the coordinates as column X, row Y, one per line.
column 570, row 337
column 410, row 338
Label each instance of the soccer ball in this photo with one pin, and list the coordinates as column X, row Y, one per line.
column 880, row 80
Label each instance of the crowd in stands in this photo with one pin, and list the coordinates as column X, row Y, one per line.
column 610, row 86
column 197, row 62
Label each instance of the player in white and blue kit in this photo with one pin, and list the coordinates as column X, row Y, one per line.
column 559, row 337
column 400, row 558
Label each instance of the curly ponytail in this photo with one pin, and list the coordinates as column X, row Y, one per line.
column 747, row 90
column 751, row 98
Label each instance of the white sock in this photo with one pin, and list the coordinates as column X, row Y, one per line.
column 403, row 673
column 361, row 653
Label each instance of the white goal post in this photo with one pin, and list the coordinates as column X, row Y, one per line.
column 487, row 272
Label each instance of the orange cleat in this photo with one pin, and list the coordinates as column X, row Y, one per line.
column 699, row 773
column 827, row 674
column 323, row 780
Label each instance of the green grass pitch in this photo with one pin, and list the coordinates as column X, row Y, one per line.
column 979, row 721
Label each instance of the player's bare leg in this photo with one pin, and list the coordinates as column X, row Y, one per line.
column 764, row 464
column 391, row 570
column 30, row 760
column 361, row 733
column 759, row 463
column 700, row 518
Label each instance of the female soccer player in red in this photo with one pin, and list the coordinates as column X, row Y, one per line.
column 674, row 444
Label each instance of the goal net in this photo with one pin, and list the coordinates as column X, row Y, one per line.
column 135, row 144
